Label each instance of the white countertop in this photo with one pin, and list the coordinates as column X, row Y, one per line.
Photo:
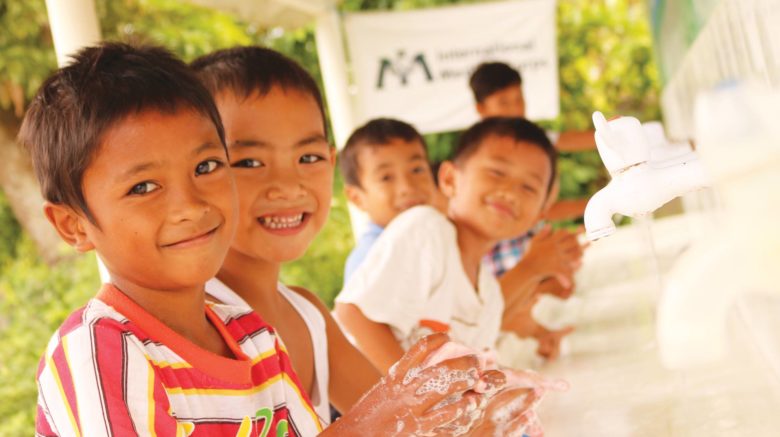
column 618, row 386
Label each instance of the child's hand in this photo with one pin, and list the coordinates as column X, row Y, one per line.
column 417, row 400
column 518, row 317
column 512, row 411
column 550, row 341
column 556, row 254
column 554, row 287
column 507, row 413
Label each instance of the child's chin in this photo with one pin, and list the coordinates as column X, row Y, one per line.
column 288, row 254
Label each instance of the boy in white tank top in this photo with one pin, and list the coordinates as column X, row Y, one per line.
column 283, row 165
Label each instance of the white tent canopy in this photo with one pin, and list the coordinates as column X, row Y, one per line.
column 274, row 13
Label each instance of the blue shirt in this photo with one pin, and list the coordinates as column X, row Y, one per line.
column 361, row 249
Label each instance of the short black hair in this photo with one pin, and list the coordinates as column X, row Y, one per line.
column 252, row 69
column 516, row 128
column 79, row 103
column 491, row 77
column 376, row 133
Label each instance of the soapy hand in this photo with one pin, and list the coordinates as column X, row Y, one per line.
column 512, row 411
column 422, row 398
column 508, row 413
column 509, row 410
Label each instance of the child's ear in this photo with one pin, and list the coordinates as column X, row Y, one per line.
column 355, row 195
column 447, row 176
column 69, row 224
column 552, row 197
column 481, row 110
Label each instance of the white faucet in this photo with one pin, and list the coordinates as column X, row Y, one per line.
column 647, row 172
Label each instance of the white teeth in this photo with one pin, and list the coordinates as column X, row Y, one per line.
column 281, row 222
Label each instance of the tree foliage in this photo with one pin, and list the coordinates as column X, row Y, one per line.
column 606, row 63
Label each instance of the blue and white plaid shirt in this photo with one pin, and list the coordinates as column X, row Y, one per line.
column 507, row 253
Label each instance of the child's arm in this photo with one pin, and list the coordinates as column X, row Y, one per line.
column 351, row 374
column 566, row 209
column 375, row 340
column 100, row 384
column 574, row 141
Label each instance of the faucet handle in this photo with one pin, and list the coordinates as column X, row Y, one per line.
column 622, row 142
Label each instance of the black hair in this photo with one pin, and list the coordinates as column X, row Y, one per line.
column 252, row 69
column 376, row 133
column 491, row 77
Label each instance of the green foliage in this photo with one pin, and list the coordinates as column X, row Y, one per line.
column 322, row 269
column 26, row 52
column 10, row 233
column 34, row 300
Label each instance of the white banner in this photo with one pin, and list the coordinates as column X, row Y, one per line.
column 415, row 66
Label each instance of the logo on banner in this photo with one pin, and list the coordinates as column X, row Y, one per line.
column 403, row 69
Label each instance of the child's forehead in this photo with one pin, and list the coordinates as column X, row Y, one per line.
column 506, row 148
column 253, row 96
column 153, row 129
column 396, row 147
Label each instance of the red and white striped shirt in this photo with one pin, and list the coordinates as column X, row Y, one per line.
column 112, row 369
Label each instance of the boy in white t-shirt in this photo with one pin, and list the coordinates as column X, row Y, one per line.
column 425, row 271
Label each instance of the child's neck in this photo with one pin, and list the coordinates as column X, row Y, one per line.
column 182, row 310
column 254, row 279
column 473, row 247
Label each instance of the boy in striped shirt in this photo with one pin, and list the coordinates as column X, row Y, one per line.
column 130, row 153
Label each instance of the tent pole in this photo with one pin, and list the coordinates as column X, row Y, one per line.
column 333, row 64
column 74, row 25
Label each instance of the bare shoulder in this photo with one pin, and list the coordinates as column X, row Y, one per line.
column 313, row 298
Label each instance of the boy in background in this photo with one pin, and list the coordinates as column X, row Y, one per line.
column 386, row 171
column 425, row 271
column 498, row 92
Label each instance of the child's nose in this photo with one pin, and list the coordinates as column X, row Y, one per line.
column 405, row 185
column 285, row 187
column 186, row 204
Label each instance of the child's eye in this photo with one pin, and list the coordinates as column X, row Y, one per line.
column 386, row 178
column 418, row 170
column 496, row 173
column 207, row 166
column 529, row 188
column 247, row 163
column 143, row 188
column 311, row 159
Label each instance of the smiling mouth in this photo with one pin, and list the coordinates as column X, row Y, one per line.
column 503, row 209
column 276, row 222
column 193, row 240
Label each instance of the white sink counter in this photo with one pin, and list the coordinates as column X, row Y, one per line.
column 619, row 387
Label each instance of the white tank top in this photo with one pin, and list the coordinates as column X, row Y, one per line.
column 315, row 323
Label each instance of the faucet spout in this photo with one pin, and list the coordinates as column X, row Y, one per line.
column 641, row 182
column 598, row 214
